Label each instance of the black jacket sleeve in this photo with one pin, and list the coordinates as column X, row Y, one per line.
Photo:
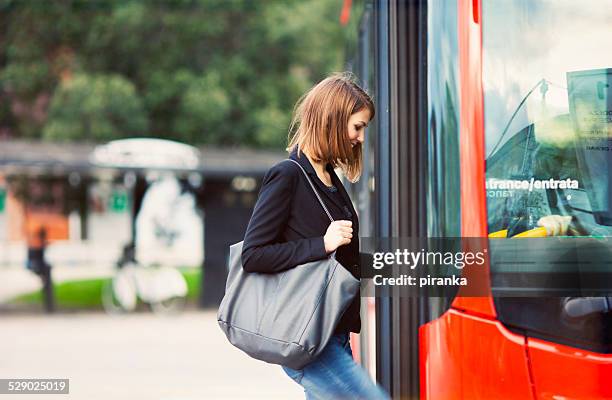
column 263, row 248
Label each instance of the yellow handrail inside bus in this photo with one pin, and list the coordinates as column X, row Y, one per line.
column 499, row 234
column 532, row 233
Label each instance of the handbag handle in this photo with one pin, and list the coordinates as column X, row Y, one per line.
column 313, row 189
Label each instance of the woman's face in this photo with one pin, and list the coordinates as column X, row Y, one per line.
column 356, row 126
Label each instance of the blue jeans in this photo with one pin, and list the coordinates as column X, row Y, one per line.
column 334, row 375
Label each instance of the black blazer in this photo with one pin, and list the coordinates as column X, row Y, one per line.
column 287, row 226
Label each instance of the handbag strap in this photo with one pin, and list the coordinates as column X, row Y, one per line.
column 313, row 189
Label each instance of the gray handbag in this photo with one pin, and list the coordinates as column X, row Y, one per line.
column 285, row 318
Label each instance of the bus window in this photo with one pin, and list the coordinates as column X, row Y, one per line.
column 548, row 138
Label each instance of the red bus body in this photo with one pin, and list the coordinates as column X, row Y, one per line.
column 467, row 353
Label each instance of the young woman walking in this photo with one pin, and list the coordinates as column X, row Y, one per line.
column 288, row 226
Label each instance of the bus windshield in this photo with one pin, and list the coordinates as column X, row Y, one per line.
column 548, row 136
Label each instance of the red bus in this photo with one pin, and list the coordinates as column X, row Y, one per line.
column 469, row 91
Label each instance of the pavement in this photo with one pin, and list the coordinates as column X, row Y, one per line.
column 136, row 356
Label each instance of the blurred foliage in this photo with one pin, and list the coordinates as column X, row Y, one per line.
column 199, row 71
column 95, row 108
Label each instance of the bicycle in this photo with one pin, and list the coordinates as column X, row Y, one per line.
column 163, row 288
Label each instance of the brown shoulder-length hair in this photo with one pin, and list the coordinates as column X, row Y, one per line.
column 320, row 123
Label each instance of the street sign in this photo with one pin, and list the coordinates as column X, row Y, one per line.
column 2, row 199
column 118, row 201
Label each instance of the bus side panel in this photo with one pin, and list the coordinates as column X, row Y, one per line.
column 439, row 356
column 562, row 372
column 494, row 360
column 467, row 357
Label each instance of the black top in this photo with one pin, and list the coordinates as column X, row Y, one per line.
column 288, row 225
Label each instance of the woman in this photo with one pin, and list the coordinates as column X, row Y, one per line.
column 289, row 227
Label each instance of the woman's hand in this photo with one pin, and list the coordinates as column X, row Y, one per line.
column 338, row 234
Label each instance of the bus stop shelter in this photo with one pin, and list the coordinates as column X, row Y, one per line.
column 53, row 180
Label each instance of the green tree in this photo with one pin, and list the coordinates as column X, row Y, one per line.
column 204, row 107
column 95, row 108
column 200, row 71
